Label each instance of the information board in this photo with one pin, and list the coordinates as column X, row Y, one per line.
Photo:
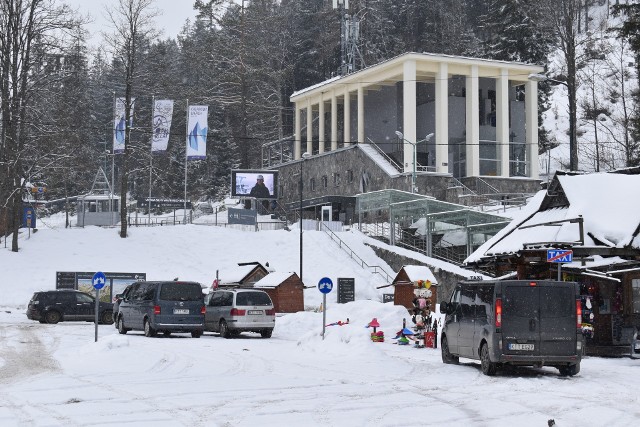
column 346, row 290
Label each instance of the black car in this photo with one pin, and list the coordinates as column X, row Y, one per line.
column 66, row 305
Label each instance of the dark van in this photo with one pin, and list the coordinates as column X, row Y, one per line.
column 515, row 322
column 165, row 307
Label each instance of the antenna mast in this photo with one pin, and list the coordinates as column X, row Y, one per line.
column 349, row 38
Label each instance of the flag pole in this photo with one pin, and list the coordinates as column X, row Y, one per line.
column 153, row 112
column 186, row 149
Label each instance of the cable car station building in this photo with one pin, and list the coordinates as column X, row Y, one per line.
column 455, row 128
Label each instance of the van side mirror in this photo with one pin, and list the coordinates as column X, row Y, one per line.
column 118, row 297
column 443, row 307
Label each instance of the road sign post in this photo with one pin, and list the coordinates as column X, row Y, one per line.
column 98, row 281
column 325, row 285
column 559, row 256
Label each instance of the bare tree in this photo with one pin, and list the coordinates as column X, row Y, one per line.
column 133, row 24
column 31, row 32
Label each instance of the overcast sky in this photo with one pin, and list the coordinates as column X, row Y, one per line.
column 174, row 13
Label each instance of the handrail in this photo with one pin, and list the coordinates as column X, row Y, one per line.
column 353, row 255
column 385, row 155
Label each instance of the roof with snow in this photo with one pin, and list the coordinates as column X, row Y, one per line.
column 238, row 274
column 608, row 203
column 418, row 272
column 273, row 280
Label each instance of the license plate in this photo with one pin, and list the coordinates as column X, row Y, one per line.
column 180, row 311
column 525, row 347
column 255, row 311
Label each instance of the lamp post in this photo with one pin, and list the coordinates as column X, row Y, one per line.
column 573, row 119
column 305, row 156
column 415, row 149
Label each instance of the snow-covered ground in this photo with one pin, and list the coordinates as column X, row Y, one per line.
column 56, row 375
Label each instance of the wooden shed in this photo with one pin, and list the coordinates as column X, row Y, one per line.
column 285, row 289
column 246, row 274
column 411, row 279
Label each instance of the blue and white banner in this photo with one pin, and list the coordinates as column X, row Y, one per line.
column 119, row 125
column 197, row 132
column 162, row 114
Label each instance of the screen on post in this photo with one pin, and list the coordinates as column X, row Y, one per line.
column 261, row 184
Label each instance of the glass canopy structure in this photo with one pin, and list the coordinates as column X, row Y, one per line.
column 438, row 229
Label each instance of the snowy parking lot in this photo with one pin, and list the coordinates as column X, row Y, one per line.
column 56, row 375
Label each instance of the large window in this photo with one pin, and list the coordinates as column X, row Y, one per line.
column 635, row 289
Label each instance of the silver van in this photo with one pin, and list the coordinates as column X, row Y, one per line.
column 164, row 307
column 515, row 322
column 232, row 311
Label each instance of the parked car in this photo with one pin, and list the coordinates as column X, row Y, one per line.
column 515, row 322
column 232, row 311
column 117, row 299
column 66, row 305
column 162, row 306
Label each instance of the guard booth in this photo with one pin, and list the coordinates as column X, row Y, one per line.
column 100, row 206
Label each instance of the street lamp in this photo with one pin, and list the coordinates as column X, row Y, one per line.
column 415, row 149
column 305, row 156
column 573, row 140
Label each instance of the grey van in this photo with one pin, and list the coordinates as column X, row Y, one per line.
column 515, row 322
column 166, row 307
column 232, row 311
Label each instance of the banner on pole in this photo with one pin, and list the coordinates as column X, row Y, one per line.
column 119, row 126
column 162, row 114
column 197, row 136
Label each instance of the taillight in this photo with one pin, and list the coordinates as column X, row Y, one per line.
column 203, row 310
column 532, row 283
column 498, row 313
column 579, row 313
column 156, row 309
column 271, row 312
column 236, row 312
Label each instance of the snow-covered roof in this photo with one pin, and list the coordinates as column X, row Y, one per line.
column 419, row 272
column 274, row 279
column 236, row 274
column 609, row 204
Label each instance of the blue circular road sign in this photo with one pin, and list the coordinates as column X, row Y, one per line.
column 325, row 285
column 99, row 280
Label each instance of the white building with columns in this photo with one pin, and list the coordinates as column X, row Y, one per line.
column 416, row 108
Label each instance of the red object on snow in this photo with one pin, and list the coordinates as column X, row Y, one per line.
column 374, row 323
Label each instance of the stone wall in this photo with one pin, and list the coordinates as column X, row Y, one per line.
column 446, row 279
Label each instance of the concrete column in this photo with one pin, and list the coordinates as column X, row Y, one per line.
column 442, row 119
column 409, row 113
column 502, row 120
column 297, row 133
column 531, row 123
column 321, row 125
column 347, row 117
column 361, row 114
column 473, row 123
column 309, row 128
column 334, row 121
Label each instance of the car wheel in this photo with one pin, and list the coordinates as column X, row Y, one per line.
column 196, row 334
column 121, row 329
column 488, row 367
column 107, row 317
column 266, row 333
column 148, row 330
column 42, row 321
column 570, row 370
column 224, row 330
column 52, row 317
column 447, row 357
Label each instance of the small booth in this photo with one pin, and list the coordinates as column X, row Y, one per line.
column 100, row 206
column 413, row 281
column 285, row 289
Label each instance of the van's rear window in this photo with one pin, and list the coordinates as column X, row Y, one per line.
column 557, row 302
column 181, row 292
column 252, row 298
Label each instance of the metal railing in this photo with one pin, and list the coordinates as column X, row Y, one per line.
column 376, row 269
column 385, row 156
